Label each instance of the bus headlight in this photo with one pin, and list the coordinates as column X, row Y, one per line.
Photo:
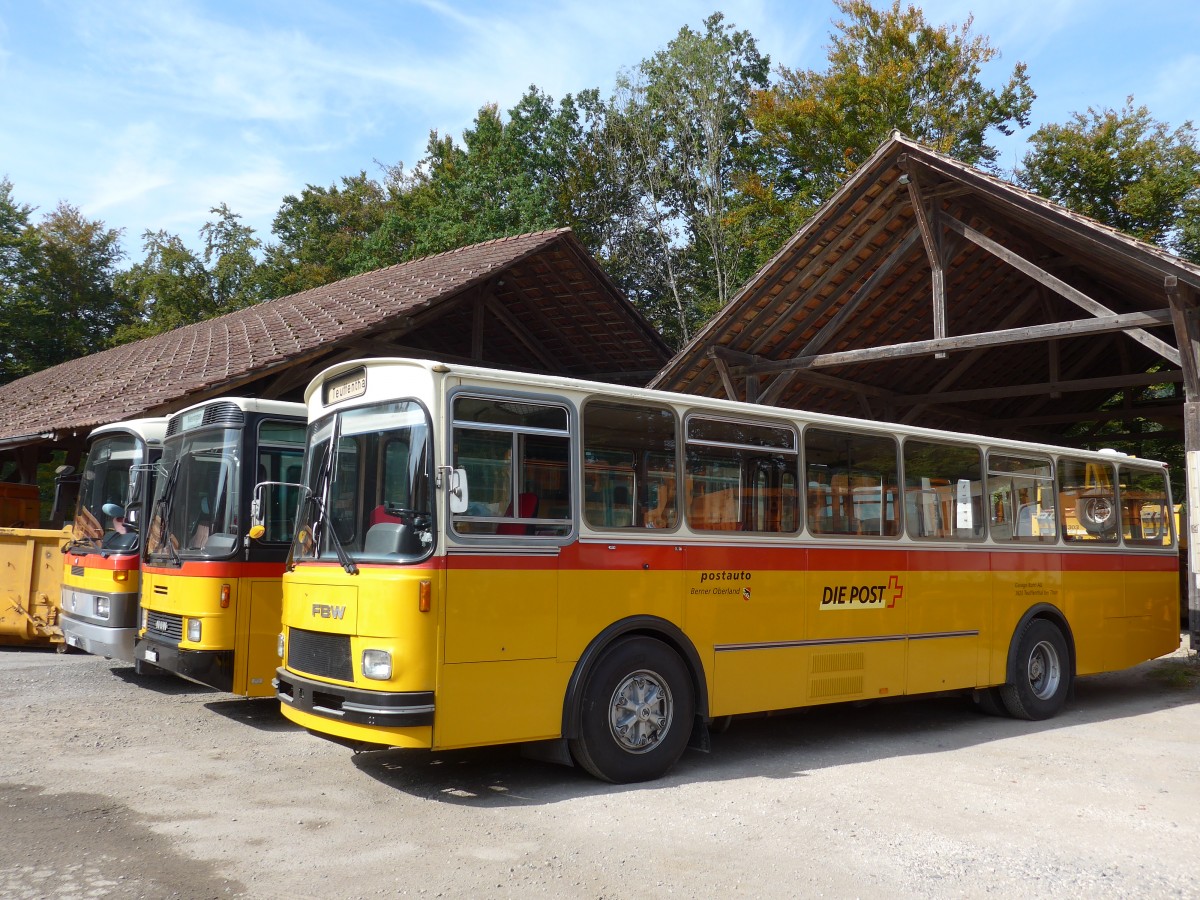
column 102, row 607
column 279, row 646
column 377, row 664
column 193, row 633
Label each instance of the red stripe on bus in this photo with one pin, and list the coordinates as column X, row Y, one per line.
column 221, row 568
column 125, row 563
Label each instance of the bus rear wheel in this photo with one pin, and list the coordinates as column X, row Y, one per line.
column 636, row 712
column 1041, row 677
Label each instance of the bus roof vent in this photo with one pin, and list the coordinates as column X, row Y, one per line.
column 224, row 414
column 1109, row 451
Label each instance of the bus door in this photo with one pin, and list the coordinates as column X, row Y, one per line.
column 259, row 602
column 502, row 570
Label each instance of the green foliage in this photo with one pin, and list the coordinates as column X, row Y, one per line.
column 173, row 286
column 678, row 138
column 58, row 294
column 1122, row 168
column 888, row 70
column 322, row 236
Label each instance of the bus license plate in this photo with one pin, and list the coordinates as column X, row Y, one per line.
column 151, row 655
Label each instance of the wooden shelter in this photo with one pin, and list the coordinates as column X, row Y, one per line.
column 535, row 302
column 928, row 292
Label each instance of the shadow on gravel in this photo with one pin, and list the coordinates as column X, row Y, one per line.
column 785, row 745
column 258, row 712
column 161, row 682
column 112, row 852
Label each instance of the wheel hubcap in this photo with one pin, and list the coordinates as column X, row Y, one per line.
column 641, row 712
column 1044, row 671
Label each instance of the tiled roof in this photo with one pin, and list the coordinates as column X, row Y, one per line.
column 546, row 281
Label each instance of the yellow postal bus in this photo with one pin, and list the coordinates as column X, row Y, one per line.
column 485, row 557
column 210, row 594
column 100, row 581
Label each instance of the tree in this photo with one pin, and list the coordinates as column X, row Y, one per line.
column 59, row 300
column 677, row 128
column 323, row 235
column 173, row 286
column 19, row 252
column 512, row 174
column 888, row 69
column 1122, row 168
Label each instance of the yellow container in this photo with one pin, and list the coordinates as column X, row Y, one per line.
column 31, row 568
column 18, row 505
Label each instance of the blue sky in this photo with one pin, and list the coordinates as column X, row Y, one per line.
column 147, row 114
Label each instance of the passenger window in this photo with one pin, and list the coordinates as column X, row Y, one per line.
column 1021, row 499
column 629, row 466
column 517, row 458
column 1146, row 515
column 1087, row 502
column 741, row 476
column 280, row 452
column 852, row 483
column 943, row 491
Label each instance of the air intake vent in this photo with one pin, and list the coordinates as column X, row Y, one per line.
column 224, row 414
column 323, row 655
column 221, row 413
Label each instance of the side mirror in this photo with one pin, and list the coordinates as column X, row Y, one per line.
column 257, row 527
column 459, row 496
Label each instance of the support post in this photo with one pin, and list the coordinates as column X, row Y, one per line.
column 1184, row 315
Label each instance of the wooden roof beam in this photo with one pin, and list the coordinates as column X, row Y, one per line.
column 1074, row 328
column 931, row 238
column 1080, row 299
column 1108, row 383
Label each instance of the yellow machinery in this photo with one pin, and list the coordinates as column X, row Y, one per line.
column 31, row 567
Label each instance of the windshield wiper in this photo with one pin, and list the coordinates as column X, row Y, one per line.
column 322, row 516
column 162, row 512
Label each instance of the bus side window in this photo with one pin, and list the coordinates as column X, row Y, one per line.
column 1145, row 507
column 1087, row 502
column 852, row 483
column 629, row 465
column 943, row 491
column 741, row 476
column 516, row 454
column 1021, row 499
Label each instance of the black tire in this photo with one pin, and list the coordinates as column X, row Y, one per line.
column 1098, row 515
column 1041, row 676
column 636, row 713
column 990, row 701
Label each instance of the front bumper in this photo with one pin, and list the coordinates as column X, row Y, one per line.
column 213, row 668
column 99, row 640
column 346, row 704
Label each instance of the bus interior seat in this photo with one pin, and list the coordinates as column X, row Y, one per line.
column 527, row 506
column 389, row 538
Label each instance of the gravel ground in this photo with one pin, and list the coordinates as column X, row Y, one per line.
column 112, row 785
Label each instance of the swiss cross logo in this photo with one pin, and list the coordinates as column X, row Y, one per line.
column 897, row 590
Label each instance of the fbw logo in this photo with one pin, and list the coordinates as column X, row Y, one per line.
column 325, row 611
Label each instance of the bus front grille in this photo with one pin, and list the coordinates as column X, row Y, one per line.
column 164, row 625
column 323, row 655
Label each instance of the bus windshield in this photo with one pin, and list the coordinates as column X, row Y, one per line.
column 369, row 475
column 106, row 490
column 199, row 504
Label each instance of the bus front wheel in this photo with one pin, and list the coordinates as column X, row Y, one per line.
column 1041, row 675
column 636, row 712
